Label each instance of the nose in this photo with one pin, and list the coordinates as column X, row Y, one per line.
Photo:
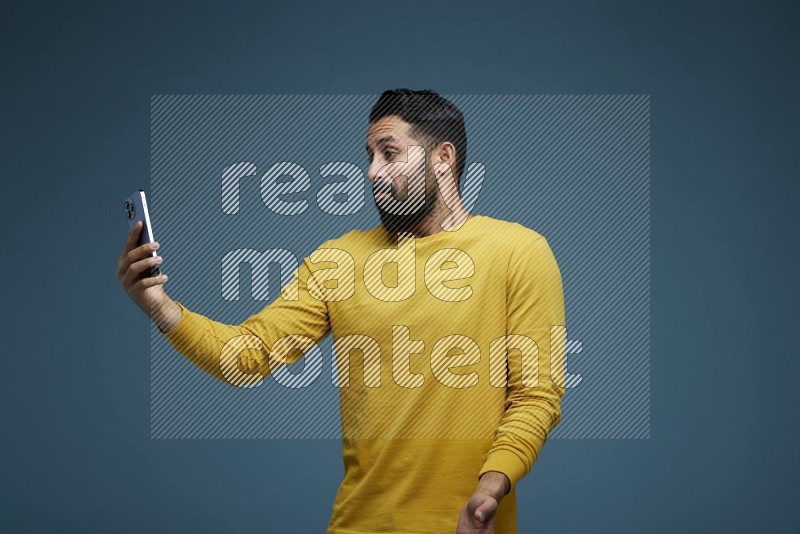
column 374, row 166
column 379, row 178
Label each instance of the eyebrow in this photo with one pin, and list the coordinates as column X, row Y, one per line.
column 382, row 140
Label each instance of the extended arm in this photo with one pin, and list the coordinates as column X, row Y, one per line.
column 201, row 340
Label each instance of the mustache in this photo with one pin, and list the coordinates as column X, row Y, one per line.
column 383, row 187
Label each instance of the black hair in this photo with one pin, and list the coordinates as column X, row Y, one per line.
column 433, row 119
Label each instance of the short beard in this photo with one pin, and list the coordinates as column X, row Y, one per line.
column 399, row 223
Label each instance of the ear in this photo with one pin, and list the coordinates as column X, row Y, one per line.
column 447, row 154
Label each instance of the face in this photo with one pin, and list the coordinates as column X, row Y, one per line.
column 403, row 180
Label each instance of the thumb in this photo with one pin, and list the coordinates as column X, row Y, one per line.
column 484, row 511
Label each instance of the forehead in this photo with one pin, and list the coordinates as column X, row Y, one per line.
column 386, row 127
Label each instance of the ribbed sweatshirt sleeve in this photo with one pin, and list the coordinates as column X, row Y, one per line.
column 294, row 316
column 535, row 303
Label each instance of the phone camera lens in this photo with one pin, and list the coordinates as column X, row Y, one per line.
column 130, row 209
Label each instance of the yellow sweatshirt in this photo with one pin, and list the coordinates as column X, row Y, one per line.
column 443, row 358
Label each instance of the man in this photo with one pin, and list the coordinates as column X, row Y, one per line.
column 438, row 441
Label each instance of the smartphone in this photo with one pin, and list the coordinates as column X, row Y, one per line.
column 135, row 211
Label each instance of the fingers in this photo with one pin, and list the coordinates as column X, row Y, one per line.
column 139, row 252
column 152, row 281
column 135, row 269
column 132, row 256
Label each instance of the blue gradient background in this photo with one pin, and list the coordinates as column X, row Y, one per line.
column 77, row 81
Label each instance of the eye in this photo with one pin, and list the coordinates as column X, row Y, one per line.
column 389, row 154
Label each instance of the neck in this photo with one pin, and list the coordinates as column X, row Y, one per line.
column 441, row 219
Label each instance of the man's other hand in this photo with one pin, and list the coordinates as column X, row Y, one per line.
column 478, row 515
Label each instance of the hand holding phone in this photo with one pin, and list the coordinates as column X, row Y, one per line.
column 138, row 267
column 136, row 211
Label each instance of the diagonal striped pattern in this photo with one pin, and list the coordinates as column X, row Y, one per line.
column 573, row 167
